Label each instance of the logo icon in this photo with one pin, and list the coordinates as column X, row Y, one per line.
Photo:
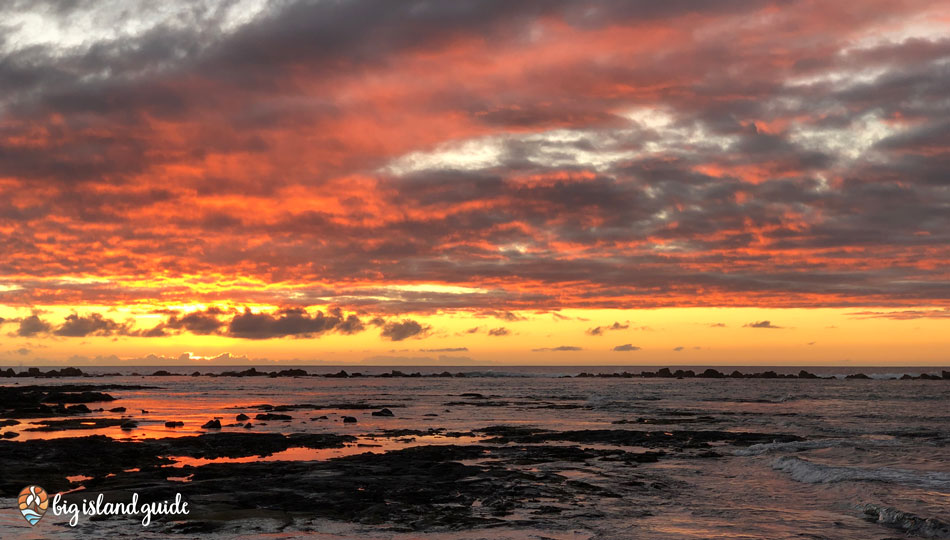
column 33, row 502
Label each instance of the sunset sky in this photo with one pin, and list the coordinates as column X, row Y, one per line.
column 475, row 182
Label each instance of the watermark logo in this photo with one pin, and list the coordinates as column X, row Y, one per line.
column 33, row 502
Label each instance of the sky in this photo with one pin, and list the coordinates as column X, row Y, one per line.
column 475, row 182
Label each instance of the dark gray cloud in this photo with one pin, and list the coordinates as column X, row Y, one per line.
column 446, row 349
column 407, row 328
column 32, row 325
column 626, row 347
column 498, row 332
column 198, row 322
column 293, row 322
column 599, row 330
column 560, row 348
column 761, row 324
column 93, row 324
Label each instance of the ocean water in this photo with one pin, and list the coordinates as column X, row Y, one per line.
column 874, row 450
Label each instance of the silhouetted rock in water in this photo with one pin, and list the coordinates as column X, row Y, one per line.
column 77, row 423
column 651, row 439
column 6, row 423
column 383, row 412
column 248, row 425
column 806, row 375
column 77, row 397
column 212, row 424
column 250, row 372
column 342, row 374
column 683, row 374
column 117, row 409
column 290, row 373
column 161, row 373
column 35, row 372
column 906, row 377
column 129, row 424
column 267, row 417
column 857, row 376
column 664, row 372
column 430, row 414
column 349, row 420
column 711, row 374
column 241, row 417
column 34, row 401
column 945, row 375
column 10, row 435
column 174, row 424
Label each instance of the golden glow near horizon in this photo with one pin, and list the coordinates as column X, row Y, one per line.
column 673, row 336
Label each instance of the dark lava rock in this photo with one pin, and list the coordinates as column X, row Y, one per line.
column 77, row 397
column 651, row 439
column 383, row 412
column 129, row 424
column 5, row 423
column 241, row 417
column 270, row 416
column 857, row 376
column 162, row 373
column 248, row 425
column 174, row 424
column 212, row 424
column 9, row 435
column 806, row 375
column 77, row 423
column 349, row 420
column 117, row 409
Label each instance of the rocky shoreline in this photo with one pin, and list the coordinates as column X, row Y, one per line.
column 667, row 373
column 513, row 472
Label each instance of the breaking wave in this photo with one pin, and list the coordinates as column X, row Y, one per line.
column 806, row 471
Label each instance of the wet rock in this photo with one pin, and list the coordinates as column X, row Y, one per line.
column 174, row 424
column 212, row 424
column 857, row 376
column 9, row 435
column 383, row 412
column 241, row 417
column 906, row 522
column 267, row 417
column 806, row 375
column 117, row 409
column 76, row 423
column 129, row 424
column 651, row 439
column 77, row 397
column 349, row 420
column 5, row 423
column 248, row 425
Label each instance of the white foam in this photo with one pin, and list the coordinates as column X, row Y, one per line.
column 815, row 473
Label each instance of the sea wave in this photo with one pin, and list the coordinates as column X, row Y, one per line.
column 800, row 446
column 907, row 522
column 809, row 472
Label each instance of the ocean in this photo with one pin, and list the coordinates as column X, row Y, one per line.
column 831, row 458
